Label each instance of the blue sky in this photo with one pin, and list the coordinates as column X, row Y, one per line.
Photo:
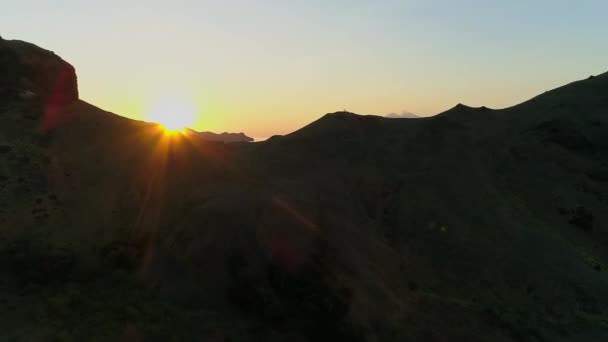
column 269, row 67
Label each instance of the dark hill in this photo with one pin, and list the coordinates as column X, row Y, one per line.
column 476, row 224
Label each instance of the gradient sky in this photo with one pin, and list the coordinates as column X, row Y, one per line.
column 270, row 67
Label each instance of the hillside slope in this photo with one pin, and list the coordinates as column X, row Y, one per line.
column 476, row 224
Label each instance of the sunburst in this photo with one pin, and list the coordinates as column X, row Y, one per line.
column 173, row 113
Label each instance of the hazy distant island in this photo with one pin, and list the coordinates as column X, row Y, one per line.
column 472, row 225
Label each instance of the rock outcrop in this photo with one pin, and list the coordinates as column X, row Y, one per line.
column 29, row 71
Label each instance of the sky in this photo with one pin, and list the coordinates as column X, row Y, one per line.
column 270, row 67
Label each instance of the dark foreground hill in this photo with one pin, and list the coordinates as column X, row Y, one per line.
column 473, row 225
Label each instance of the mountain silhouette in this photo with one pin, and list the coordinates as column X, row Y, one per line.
column 224, row 137
column 475, row 224
column 403, row 115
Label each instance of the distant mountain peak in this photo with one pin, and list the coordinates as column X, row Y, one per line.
column 225, row 137
column 461, row 106
column 403, row 115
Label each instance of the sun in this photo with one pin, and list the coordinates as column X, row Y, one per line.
column 173, row 113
